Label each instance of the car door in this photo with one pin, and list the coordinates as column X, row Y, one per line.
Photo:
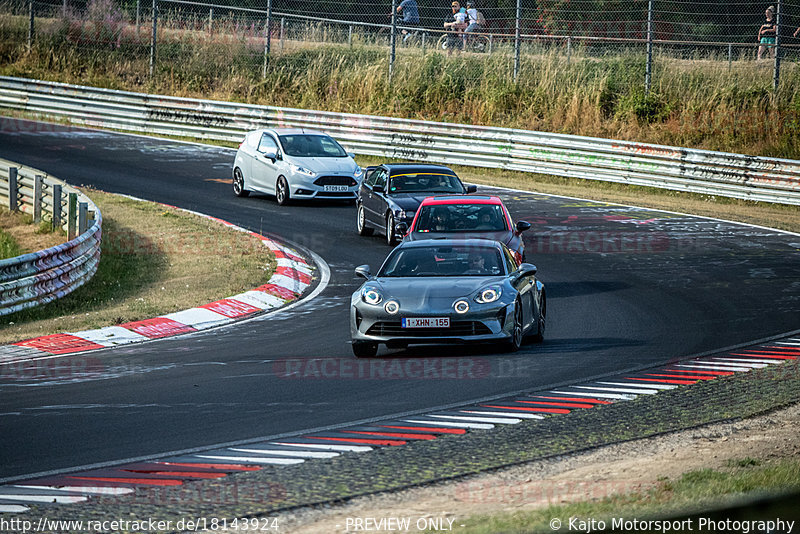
column 265, row 164
column 524, row 286
column 374, row 201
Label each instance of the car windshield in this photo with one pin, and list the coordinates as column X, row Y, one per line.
column 312, row 146
column 461, row 218
column 425, row 182
column 443, row 260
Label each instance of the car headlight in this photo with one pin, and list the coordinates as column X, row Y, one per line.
column 358, row 173
column 402, row 214
column 392, row 307
column 489, row 294
column 302, row 170
column 461, row 306
column 370, row 295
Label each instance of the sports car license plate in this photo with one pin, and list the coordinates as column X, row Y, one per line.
column 336, row 188
column 426, row 322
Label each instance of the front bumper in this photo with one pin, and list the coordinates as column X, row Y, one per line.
column 486, row 323
column 307, row 187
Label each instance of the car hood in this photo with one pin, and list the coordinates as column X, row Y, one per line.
column 503, row 236
column 433, row 291
column 411, row 201
column 326, row 165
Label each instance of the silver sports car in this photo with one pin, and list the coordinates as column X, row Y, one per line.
column 447, row 291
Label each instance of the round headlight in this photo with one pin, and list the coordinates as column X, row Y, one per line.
column 392, row 307
column 372, row 296
column 490, row 294
column 461, row 306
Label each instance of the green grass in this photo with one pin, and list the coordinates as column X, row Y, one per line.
column 9, row 248
column 695, row 491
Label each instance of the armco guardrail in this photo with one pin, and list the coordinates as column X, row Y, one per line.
column 41, row 277
column 699, row 171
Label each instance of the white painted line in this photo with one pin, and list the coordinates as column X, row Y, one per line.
column 648, row 385
column 631, row 391
column 59, row 499
column 755, row 365
column 13, row 508
column 745, row 360
column 716, row 367
column 299, row 454
column 596, row 395
column 99, row 490
column 325, row 446
column 297, row 266
column 110, row 336
column 259, row 299
column 493, row 420
column 479, row 426
column 255, row 460
column 522, row 415
column 787, row 343
column 199, row 318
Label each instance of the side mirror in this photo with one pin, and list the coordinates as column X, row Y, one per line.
column 378, row 188
column 352, row 155
column 270, row 153
column 472, row 188
column 401, row 228
column 363, row 271
column 526, row 269
column 522, row 226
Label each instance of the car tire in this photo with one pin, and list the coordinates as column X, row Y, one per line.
column 282, row 194
column 391, row 239
column 238, row 183
column 515, row 341
column 361, row 222
column 541, row 321
column 365, row 349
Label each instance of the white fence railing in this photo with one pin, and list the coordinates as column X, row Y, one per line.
column 41, row 277
column 682, row 169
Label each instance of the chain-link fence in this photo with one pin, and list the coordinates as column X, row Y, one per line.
column 248, row 33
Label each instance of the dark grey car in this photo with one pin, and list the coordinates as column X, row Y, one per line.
column 447, row 291
column 391, row 193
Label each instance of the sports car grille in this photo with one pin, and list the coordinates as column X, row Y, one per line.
column 457, row 328
column 335, row 180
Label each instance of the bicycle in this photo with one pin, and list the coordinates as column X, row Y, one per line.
column 471, row 42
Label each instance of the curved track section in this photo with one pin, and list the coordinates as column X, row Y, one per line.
column 627, row 288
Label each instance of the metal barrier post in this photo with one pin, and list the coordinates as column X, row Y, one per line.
column 210, row 19
column 138, row 16
column 516, row 41
column 30, row 24
column 12, row 188
column 83, row 217
column 350, row 36
column 648, row 70
column 153, row 40
column 72, row 215
column 283, row 27
column 392, row 38
column 730, row 56
column 57, row 206
column 38, row 182
column 569, row 49
column 777, row 74
column 267, row 39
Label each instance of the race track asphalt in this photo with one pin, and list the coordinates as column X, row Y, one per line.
column 627, row 287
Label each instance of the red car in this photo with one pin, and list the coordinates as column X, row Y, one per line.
column 467, row 217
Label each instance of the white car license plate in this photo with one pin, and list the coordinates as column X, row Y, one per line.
column 426, row 322
column 336, row 188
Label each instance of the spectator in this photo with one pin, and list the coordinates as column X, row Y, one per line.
column 457, row 25
column 474, row 20
column 410, row 12
column 767, row 34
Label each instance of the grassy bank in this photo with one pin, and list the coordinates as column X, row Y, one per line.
column 704, row 489
column 18, row 235
column 155, row 260
column 694, row 102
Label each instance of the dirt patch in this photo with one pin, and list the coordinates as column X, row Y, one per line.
column 25, row 233
column 611, row 470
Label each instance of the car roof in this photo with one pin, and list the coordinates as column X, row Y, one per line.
column 448, row 241
column 400, row 168
column 461, row 199
column 293, row 131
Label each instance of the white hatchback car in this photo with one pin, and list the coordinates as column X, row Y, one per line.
column 293, row 163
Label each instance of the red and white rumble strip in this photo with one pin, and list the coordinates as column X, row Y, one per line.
column 291, row 277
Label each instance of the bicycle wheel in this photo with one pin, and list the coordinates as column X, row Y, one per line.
column 479, row 43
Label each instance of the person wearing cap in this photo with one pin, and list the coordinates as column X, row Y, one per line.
column 767, row 34
column 458, row 24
